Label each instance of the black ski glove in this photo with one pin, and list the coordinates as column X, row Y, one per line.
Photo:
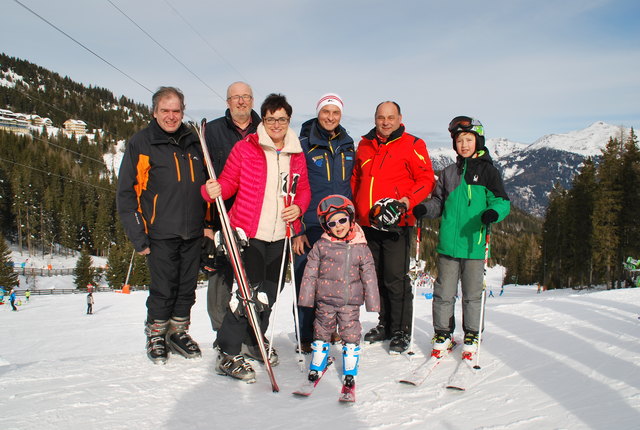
column 489, row 216
column 419, row 211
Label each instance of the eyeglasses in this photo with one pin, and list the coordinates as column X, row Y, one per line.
column 271, row 120
column 341, row 221
column 245, row 97
column 465, row 123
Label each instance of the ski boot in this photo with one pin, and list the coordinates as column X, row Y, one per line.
column 470, row 346
column 442, row 343
column 399, row 342
column 179, row 340
column 235, row 366
column 350, row 359
column 376, row 334
column 156, row 332
column 253, row 352
column 319, row 357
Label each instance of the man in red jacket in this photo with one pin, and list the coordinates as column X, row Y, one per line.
column 392, row 165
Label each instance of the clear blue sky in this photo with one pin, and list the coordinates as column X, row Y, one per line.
column 524, row 68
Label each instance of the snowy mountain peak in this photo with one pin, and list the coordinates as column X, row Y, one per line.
column 586, row 142
column 499, row 147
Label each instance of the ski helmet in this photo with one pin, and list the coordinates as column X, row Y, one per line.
column 332, row 204
column 466, row 123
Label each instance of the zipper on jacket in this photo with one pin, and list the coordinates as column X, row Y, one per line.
column 279, row 186
column 153, row 212
column 193, row 175
column 343, row 167
column 175, row 158
column 326, row 162
column 347, row 264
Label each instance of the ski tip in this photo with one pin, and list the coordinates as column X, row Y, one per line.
column 203, row 121
column 454, row 388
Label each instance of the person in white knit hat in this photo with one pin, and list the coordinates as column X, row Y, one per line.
column 330, row 153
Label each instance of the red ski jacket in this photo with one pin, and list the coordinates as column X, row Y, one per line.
column 401, row 167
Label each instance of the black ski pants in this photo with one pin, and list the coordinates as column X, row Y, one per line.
column 262, row 263
column 173, row 265
column 391, row 256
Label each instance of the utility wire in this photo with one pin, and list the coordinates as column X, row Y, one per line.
column 63, row 111
column 59, row 176
column 69, row 150
column 167, row 51
column 205, row 40
column 79, row 43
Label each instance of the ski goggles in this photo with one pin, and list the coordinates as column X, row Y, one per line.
column 332, row 224
column 465, row 123
column 332, row 203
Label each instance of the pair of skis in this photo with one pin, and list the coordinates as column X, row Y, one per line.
column 461, row 378
column 347, row 392
column 233, row 253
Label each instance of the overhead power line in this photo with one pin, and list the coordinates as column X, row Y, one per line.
column 66, row 178
column 205, row 40
column 167, row 51
column 82, row 45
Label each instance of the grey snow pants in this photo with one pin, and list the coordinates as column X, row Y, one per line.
column 469, row 273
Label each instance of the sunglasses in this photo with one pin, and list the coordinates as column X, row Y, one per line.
column 332, row 224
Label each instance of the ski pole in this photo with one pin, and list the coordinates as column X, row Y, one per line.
column 484, row 294
column 289, row 193
column 414, row 287
column 295, row 311
column 126, row 281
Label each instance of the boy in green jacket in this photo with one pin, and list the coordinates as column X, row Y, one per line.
column 469, row 195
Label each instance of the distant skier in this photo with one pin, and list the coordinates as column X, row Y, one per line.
column 339, row 278
column 469, row 195
column 12, row 299
column 27, row 294
column 90, row 303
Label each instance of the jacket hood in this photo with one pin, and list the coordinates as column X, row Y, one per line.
column 291, row 141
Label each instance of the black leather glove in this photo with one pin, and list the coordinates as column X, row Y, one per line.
column 489, row 216
column 419, row 211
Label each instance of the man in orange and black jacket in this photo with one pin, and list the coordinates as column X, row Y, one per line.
column 163, row 215
column 391, row 164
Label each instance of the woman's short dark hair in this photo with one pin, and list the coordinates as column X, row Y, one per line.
column 273, row 102
column 164, row 92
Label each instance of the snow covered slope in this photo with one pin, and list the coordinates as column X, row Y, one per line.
column 555, row 360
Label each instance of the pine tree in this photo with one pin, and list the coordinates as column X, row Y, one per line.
column 554, row 239
column 84, row 273
column 118, row 265
column 8, row 278
column 580, row 226
column 606, row 214
column 630, row 211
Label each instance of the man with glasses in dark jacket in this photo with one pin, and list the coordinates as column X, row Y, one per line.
column 221, row 135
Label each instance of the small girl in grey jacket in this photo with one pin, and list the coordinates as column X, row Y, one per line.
column 339, row 278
